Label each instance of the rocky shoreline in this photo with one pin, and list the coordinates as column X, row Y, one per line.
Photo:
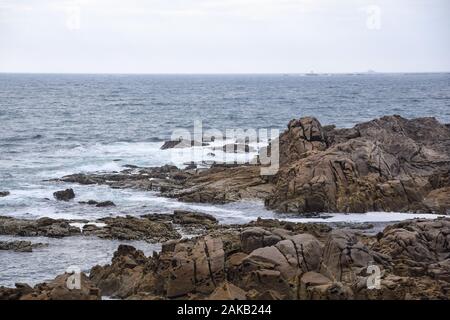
column 388, row 164
column 270, row 259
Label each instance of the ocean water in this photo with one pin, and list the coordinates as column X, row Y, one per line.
column 53, row 125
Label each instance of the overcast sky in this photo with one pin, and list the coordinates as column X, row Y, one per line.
column 224, row 36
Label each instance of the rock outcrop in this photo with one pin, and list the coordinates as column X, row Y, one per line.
column 45, row 227
column 20, row 246
column 276, row 263
column 388, row 164
column 56, row 289
column 64, row 195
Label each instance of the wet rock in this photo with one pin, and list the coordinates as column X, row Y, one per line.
column 223, row 185
column 64, row 195
column 4, row 193
column 56, row 289
column 45, row 227
column 105, row 204
column 183, row 217
column 181, row 144
column 20, row 246
column 387, row 164
column 132, row 228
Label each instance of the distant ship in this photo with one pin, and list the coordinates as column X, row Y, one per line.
column 311, row 73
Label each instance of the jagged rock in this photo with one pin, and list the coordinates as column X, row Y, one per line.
column 228, row 291
column 184, row 217
column 57, row 289
column 124, row 275
column 278, row 267
column 388, row 164
column 45, row 227
column 4, row 193
column 64, row 195
column 223, row 185
column 415, row 246
column 297, row 267
column 345, row 258
column 303, row 137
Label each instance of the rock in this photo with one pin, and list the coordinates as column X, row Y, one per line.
column 345, row 257
column 122, row 228
column 44, row 227
column 193, row 267
column 56, row 289
column 64, row 195
column 105, row 204
column 228, row 291
column 124, row 275
column 298, row 266
column 4, row 193
column 417, row 246
column 387, row 164
column 222, row 185
column 132, row 228
column 183, row 217
column 255, row 237
column 20, row 246
column 181, row 144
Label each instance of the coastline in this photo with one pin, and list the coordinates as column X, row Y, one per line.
column 223, row 185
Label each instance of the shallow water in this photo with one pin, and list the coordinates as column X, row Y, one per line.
column 47, row 262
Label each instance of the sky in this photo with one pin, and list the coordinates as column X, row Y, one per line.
column 224, row 36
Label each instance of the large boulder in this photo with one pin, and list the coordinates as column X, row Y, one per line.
column 388, row 164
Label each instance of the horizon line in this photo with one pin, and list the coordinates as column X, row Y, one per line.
column 228, row 73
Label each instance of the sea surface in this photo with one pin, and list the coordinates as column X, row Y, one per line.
column 54, row 125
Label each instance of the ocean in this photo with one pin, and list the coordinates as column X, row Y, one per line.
column 54, row 125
